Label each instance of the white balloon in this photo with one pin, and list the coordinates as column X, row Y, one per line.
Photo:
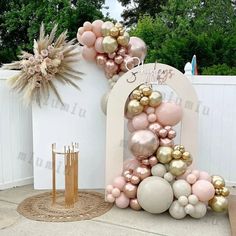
column 189, row 209
column 177, row 211
column 158, row 170
column 181, row 188
column 193, row 199
column 169, row 177
column 155, row 194
column 200, row 210
column 183, row 200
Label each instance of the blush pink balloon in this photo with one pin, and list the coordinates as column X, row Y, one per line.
column 101, row 60
column 137, row 48
column 89, row 54
column 166, row 142
column 140, row 121
column 88, row 38
column 131, row 164
column 110, row 198
column 115, row 192
column 118, row 59
column 122, row 201
column 87, row 26
column 119, row 182
column 79, row 39
column 97, row 26
column 130, row 126
column 109, row 188
column 191, row 178
column 98, row 45
column 204, row 175
column 169, row 114
column 152, row 118
column 204, row 190
column 150, row 110
column 196, row 173
column 81, row 30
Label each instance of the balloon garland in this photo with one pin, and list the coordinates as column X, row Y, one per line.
column 111, row 47
column 160, row 177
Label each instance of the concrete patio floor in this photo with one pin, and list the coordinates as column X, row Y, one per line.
column 116, row 222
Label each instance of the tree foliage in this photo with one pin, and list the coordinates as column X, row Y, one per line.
column 188, row 27
column 20, row 21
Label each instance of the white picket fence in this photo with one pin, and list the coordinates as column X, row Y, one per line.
column 217, row 130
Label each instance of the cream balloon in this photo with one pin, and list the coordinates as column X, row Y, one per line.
column 181, row 188
column 177, row 211
column 200, row 210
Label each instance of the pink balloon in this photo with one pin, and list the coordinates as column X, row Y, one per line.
column 88, row 38
column 79, row 38
column 169, row 113
column 81, row 30
column 109, row 188
column 89, row 54
column 204, row 190
column 110, row 198
column 119, row 182
column 150, row 110
column 97, row 26
column 118, row 59
column 98, row 45
column 140, row 121
column 130, row 126
column 204, row 175
column 152, row 118
column 87, row 26
column 115, row 192
column 122, row 201
column 137, row 48
column 131, row 164
column 101, row 60
column 196, row 173
column 191, row 178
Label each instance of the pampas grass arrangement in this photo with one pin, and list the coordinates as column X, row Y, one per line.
column 51, row 61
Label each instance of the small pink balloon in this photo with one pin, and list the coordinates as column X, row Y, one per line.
column 87, row 26
column 101, row 60
column 130, row 126
column 171, row 134
column 196, row 173
column 81, row 30
column 115, row 192
column 140, row 121
column 119, row 182
column 98, row 45
column 122, row 51
column 79, row 39
column 204, row 190
column 168, row 128
column 97, row 26
column 88, row 38
column 111, row 55
column 155, row 128
column 128, row 115
column 89, row 54
column 110, row 198
column 169, row 114
column 204, row 175
column 152, row 118
column 109, row 188
column 122, row 201
column 111, row 66
column 166, row 142
column 150, row 110
column 118, row 59
column 163, row 133
column 131, row 164
column 153, row 160
column 191, row 179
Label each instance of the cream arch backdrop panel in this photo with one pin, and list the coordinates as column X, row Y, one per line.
column 153, row 73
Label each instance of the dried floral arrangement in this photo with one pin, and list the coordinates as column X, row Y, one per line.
column 51, row 61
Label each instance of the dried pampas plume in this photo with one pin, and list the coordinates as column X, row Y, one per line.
column 51, row 60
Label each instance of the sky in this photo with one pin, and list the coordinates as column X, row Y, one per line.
column 115, row 9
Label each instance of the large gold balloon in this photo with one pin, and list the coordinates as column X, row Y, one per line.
column 144, row 101
column 136, row 94
column 155, row 99
column 219, row 204
column 106, row 27
column 215, row 178
column 109, row 44
column 123, row 40
column 134, row 107
column 147, row 91
column 114, row 32
column 177, row 167
column 164, row 154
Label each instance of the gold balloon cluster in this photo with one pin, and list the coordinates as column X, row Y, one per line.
column 143, row 96
column 178, row 159
column 219, row 202
column 114, row 35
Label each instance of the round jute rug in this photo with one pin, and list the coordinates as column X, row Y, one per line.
column 40, row 208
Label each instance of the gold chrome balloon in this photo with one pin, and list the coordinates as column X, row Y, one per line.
column 147, row 91
column 164, row 154
column 155, row 99
column 124, row 39
column 114, row 32
column 144, row 101
column 225, row 192
column 218, row 191
column 121, row 32
column 119, row 25
column 136, row 94
column 217, row 177
column 106, row 27
column 186, row 156
column 219, row 203
column 109, row 44
column 134, row 107
column 218, row 184
column 176, row 154
column 177, row 167
column 180, row 148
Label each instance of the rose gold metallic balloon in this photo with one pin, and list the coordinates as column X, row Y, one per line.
column 111, row 66
column 122, row 51
column 142, row 172
column 130, row 164
column 101, row 60
column 155, row 128
column 118, row 59
column 128, row 177
column 143, row 143
column 135, row 205
column 130, row 190
column 145, row 162
column 171, row 134
column 163, row 133
column 111, row 55
column 153, row 160
column 168, row 128
column 137, row 48
column 135, row 179
column 166, row 142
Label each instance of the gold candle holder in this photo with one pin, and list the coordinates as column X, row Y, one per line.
column 71, row 158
